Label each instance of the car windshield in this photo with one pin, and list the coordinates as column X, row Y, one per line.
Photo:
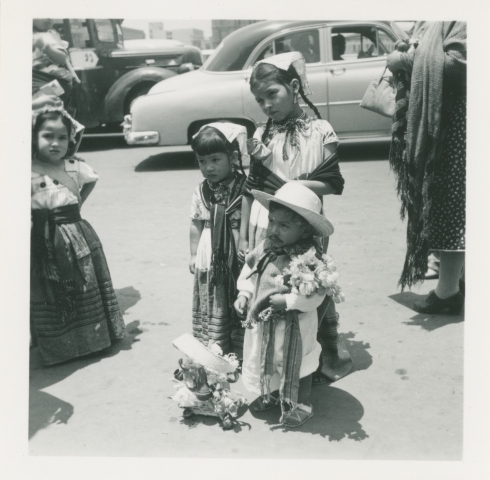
column 228, row 57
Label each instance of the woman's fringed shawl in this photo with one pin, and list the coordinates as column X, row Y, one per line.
column 441, row 53
column 266, row 261
column 224, row 261
column 263, row 179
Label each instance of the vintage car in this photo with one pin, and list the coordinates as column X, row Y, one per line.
column 342, row 58
column 111, row 75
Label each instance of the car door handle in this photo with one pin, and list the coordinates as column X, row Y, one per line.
column 337, row 71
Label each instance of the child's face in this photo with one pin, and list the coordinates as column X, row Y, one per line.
column 275, row 100
column 216, row 167
column 284, row 228
column 52, row 141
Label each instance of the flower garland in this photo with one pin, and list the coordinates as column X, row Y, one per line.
column 306, row 275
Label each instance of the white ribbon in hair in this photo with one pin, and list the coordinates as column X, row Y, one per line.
column 285, row 60
column 231, row 131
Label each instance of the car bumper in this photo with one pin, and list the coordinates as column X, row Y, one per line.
column 138, row 138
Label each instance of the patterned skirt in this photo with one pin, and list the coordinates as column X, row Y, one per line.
column 211, row 316
column 91, row 320
column 448, row 210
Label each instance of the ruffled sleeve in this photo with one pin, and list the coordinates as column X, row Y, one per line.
column 87, row 174
column 196, row 205
column 328, row 133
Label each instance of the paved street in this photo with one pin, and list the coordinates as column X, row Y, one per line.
column 404, row 401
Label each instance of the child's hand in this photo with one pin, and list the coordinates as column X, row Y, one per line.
column 192, row 264
column 257, row 149
column 277, row 302
column 252, row 143
column 242, row 249
column 240, row 305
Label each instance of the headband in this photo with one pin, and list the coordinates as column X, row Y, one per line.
column 284, row 60
column 231, row 131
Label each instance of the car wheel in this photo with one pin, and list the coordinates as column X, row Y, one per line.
column 137, row 91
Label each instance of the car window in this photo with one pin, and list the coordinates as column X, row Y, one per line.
column 105, row 31
column 352, row 43
column 80, row 33
column 307, row 42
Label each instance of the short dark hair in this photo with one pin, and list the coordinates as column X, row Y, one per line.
column 210, row 140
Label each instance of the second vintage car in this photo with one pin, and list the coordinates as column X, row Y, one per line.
column 342, row 59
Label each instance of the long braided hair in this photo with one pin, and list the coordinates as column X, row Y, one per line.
column 210, row 140
column 267, row 71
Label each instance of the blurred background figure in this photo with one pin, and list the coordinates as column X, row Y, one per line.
column 50, row 61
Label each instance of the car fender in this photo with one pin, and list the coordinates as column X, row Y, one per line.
column 171, row 113
column 114, row 100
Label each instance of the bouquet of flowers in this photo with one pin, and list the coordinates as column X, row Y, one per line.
column 306, row 275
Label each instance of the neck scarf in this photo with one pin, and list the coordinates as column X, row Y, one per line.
column 224, row 261
column 442, row 49
column 292, row 127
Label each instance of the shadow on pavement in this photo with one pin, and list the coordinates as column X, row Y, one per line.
column 336, row 416
column 359, row 352
column 102, row 143
column 427, row 321
column 210, row 421
column 359, row 152
column 168, row 161
column 127, row 297
column 45, row 409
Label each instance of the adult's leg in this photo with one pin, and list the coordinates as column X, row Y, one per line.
column 451, row 266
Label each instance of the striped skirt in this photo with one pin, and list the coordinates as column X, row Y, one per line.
column 93, row 320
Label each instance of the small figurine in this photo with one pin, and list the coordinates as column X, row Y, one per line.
column 204, row 377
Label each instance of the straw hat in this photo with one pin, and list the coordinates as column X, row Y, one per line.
column 301, row 200
column 194, row 349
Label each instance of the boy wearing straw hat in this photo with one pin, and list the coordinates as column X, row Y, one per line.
column 282, row 352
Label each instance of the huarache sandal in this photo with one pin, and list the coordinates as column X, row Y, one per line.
column 262, row 404
column 297, row 416
column 319, row 379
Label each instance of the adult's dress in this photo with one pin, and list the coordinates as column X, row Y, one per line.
column 428, row 151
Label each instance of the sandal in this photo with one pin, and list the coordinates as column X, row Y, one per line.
column 262, row 404
column 319, row 379
column 296, row 417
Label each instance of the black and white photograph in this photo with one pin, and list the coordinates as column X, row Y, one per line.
column 246, row 242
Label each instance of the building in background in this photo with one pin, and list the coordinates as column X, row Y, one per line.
column 132, row 33
column 222, row 28
column 189, row 36
column 156, row 30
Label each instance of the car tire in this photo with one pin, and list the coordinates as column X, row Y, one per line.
column 134, row 93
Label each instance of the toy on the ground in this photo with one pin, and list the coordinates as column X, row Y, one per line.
column 204, row 377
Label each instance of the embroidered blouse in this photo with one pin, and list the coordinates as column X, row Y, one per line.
column 49, row 193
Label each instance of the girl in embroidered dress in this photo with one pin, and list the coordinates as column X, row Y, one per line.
column 214, row 232
column 293, row 147
column 74, row 310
